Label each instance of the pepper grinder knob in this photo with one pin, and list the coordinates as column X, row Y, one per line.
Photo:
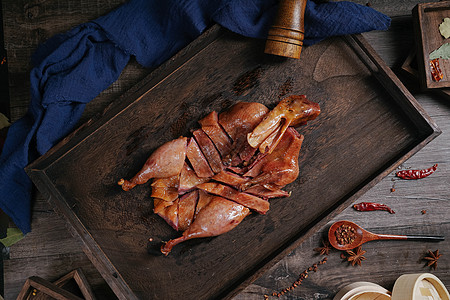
column 287, row 32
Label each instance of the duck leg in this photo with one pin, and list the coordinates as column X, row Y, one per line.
column 219, row 216
column 166, row 161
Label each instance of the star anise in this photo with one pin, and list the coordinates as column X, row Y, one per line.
column 325, row 249
column 432, row 258
column 356, row 256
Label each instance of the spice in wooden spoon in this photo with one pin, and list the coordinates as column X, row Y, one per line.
column 346, row 235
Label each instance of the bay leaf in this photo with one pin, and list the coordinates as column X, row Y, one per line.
column 442, row 52
column 3, row 121
column 13, row 235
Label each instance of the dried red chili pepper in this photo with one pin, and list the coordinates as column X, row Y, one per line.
column 416, row 174
column 370, row 206
column 436, row 72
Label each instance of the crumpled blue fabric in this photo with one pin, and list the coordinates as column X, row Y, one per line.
column 72, row 68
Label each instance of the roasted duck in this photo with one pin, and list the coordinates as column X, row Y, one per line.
column 233, row 164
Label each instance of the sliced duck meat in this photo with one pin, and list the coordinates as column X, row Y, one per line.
column 172, row 181
column 265, row 193
column 210, row 125
column 291, row 111
column 166, row 188
column 165, row 193
column 242, row 118
column 209, row 150
column 159, row 205
column 230, row 178
column 218, row 217
column 166, row 161
column 280, row 167
column 170, row 214
column 203, row 200
column 239, row 159
column 246, row 154
column 186, row 209
column 198, row 160
column 255, row 203
column 238, row 121
column 189, row 179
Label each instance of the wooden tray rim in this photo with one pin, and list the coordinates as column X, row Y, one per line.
column 37, row 169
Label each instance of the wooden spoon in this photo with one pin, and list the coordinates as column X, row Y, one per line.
column 356, row 236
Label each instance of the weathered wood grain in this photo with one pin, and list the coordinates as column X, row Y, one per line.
column 408, row 200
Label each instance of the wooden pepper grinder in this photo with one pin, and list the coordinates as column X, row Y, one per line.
column 287, row 32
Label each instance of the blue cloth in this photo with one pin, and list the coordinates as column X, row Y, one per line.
column 71, row 69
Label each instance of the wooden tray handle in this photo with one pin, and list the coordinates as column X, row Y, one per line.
column 286, row 34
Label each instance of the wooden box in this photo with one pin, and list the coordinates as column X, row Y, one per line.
column 410, row 70
column 369, row 125
column 426, row 20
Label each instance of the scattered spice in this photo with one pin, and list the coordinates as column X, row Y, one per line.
column 3, row 61
column 345, row 234
column 432, row 258
column 299, row 281
column 371, row 206
column 436, row 72
column 392, row 190
column 416, row 174
column 423, row 211
column 343, row 256
column 355, row 257
column 325, row 249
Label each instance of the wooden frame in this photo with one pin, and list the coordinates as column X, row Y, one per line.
column 38, row 288
column 426, row 20
column 409, row 69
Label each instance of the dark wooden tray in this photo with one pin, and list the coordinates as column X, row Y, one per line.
column 426, row 20
column 369, row 124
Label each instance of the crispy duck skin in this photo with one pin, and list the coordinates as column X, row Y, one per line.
column 198, row 160
column 267, row 194
column 159, row 205
column 166, row 188
column 170, row 213
column 255, row 203
column 203, row 200
column 279, row 168
column 241, row 118
column 219, row 216
column 210, row 125
column 291, row 111
column 186, row 209
column 166, row 161
column 230, row 178
column 189, row 179
column 209, row 150
column 168, row 194
column 238, row 121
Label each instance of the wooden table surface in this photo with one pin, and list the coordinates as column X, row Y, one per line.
column 50, row 251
